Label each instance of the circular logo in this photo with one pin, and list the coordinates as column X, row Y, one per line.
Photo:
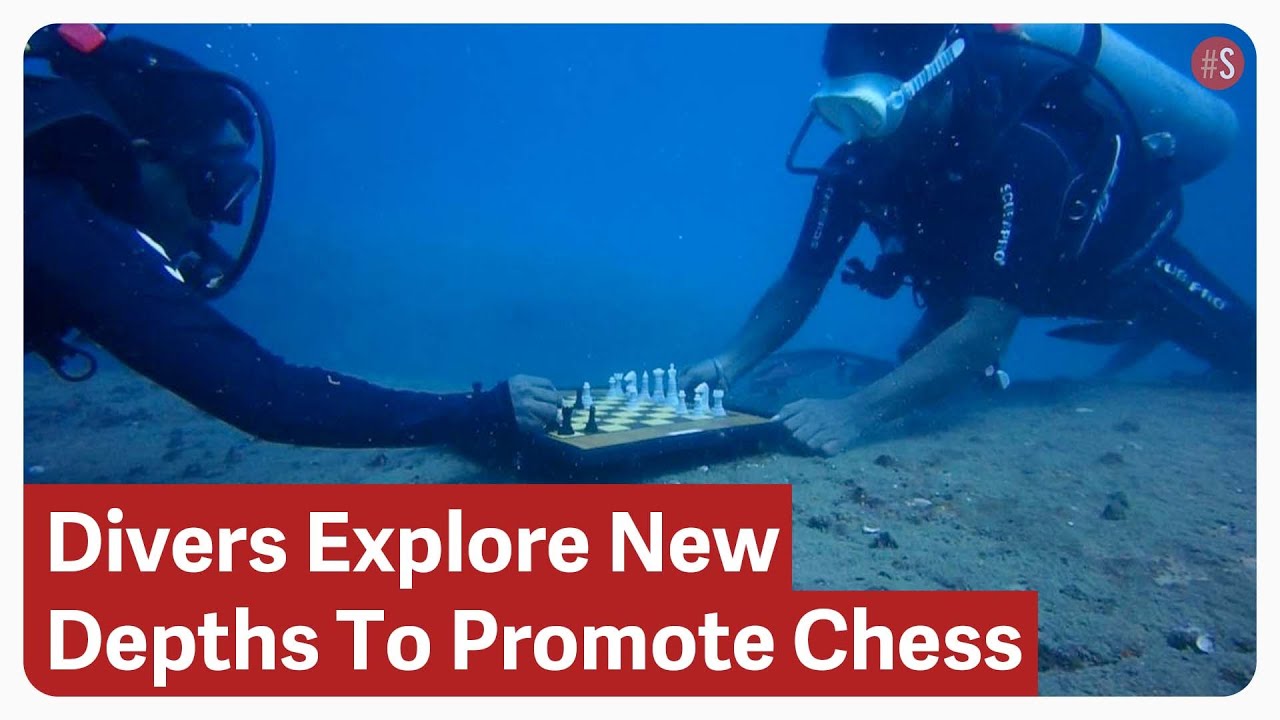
column 1217, row 63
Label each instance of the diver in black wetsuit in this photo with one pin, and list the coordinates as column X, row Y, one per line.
column 133, row 152
column 1004, row 180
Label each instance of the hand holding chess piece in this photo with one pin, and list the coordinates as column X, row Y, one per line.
column 535, row 403
column 710, row 372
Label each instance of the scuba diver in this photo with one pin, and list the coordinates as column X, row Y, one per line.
column 1006, row 172
column 133, row 153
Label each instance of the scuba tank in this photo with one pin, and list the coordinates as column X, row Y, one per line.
column 1185, row 126
column 1178, row 117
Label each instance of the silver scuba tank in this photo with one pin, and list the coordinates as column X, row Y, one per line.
column 1171, row 108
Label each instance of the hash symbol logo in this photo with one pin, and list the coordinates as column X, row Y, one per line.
column 1217, row 63
column 1210, row 63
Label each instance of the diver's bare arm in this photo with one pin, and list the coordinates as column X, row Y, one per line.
column 829, row 226
column 957, row 354
column 774, row 320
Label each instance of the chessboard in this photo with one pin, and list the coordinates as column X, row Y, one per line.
column 629, row 427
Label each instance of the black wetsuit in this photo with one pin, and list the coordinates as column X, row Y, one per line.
column 1059, row 219
column 87, row 268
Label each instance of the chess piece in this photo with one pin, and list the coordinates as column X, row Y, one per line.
column 681, row 407
column 644, row 388
column 700, row 400
column 566, row 421
column 614, row 390
column 633, row 396
column 658, row 386
column 592, row 427
column 717, row 407
column 587, row 400
column 672, row 391
column 577, row 403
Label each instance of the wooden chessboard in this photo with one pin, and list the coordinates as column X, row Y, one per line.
column 647, row 428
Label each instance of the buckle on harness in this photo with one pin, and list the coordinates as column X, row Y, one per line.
column 58, row 353
column 883, row 281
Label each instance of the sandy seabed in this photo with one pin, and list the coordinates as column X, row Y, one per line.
column 1131, row 509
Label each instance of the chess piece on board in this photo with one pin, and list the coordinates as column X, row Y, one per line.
column 673, row 393
column 566, row 421
column 633, row 396
column 700, row 400
column 717, row 406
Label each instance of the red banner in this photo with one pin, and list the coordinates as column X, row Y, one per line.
column 477, row 590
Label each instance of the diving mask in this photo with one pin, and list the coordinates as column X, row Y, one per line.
column 872, row 105
column 217, row 187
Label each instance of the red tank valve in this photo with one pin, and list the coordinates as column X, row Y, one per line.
column 84, row 37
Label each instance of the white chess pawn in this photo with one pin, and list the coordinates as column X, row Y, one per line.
column 672, row 391
column 681, row 407
column 587, row 401
column 614, row 390
column 644, row 388
column 658, row 396
column 717, row 408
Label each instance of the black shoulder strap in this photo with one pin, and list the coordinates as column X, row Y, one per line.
column 1090, row 44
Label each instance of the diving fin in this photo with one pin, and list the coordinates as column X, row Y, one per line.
column 1130, row 354
column 1098, row 333
column 1133, row 341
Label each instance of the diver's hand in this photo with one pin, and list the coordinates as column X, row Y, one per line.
column 829, row 427
column 536, row 402
column 707, row 372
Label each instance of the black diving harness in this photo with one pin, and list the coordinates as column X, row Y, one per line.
column 889, row 273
